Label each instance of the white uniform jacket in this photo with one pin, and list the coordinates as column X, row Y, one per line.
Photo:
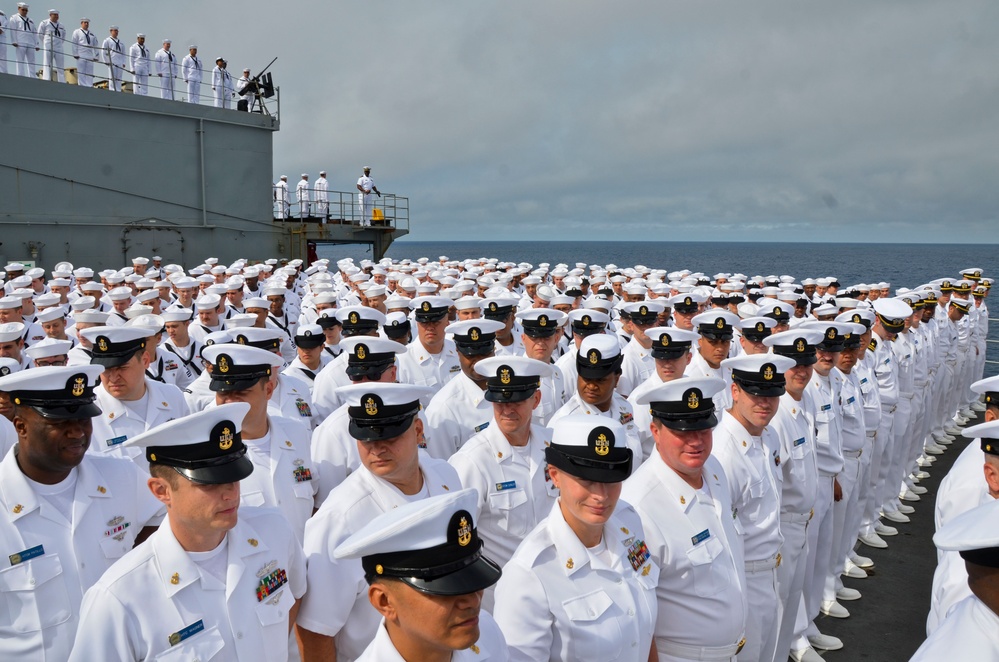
column 515, row 492
column 155, row 604
column 636, row 367
column 971, row 632
column 340, row 608
column 116, row 423
column 558, row 601
column 284, row 476
column 698, row 548
column 293, row 399
column 61, row 560
column 421, row 368
column 455, row 414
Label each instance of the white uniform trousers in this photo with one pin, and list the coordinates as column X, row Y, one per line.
column 899, row 448
column 817, row 560
column 25, row 57
column 764, row 611
column 140, row 84
column 791, row 575
column 194, row 91
column 879, row 467
column 166, row 87
column 364, row 207
column 85, row 72
column 843, row 539
column 52, row 59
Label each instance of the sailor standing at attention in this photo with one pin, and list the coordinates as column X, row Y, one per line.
column 84, row 52
column 302, row 195
column 192, row 72
column 139, row 56
column 52, row 34
column 691, row 528
column 322, row 196
column 222, row 85
column 365, row 185
column 166, row 70
column 215, row 582
column 113, row 55
column 24, row 40
column 69, row 515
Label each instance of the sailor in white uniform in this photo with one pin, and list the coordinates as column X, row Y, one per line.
column 692, row 530
column 311, row 359
column 85, row 52
column 166, row 70
column 51, row 35
column 215, row 581
column 971, row 631
column 21, row 33
column 302, row 196
column 425, row 571
column 192, row 72
column 69, row 515
column 365, row 186
column 638, row 362
column 542, row 328
column 671, row 352
column 131, row 403
column 717, row 329
column 460, row 410
column 383, row 418
column 432, row 359
column 322, row 196
column 223, row 88
column 114, row 56
column 505, row 462
column 582, row 323
column 139, row 57
column 583, row 583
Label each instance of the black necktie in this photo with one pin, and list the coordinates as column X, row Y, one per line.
column 170, row 55
column 142, row 48
column 57, row 31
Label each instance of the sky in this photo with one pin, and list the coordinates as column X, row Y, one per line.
column 596, row 120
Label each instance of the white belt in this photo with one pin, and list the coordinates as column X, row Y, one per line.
column 764, row 565
column 797, row 518
column 699, row 652
column 853, row 454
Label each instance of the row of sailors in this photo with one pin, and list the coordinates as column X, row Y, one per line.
column 763, row 474
column 50, row 36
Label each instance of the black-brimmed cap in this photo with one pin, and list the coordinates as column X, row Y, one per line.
column 760, row 374
column 684, row 404
column 541, row 322
column 599, row 355
column 716, row 324
column 475, row 337
column 55, row 392
column 798, row 344
column 590, row 448
column 379, row 410
column 511, row 378
column 669, row 342
column 430, row 308
column 205, row 447
column 113, row 346
column 369, row 356
column 239, row 367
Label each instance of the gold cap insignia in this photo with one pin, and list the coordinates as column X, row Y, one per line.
column 492, row 306
column 831, row 333
column 79, row 384
column 601, row 445
column 370, row 406
column 354, row 318
column 102, row 343
column 643, row 311
column 542, row 320
column 693, row 399
column 720, row 323
column 687, row 301
column 768, row 372
column 464, row 532
column 425, row 307
column 799, row 345
column 241, row 339
column 504, row 375
column 776, row 310
column 226, row 439
column 223, row 364
column 473, row 334
column 664, row 340
column 361, row 352
column 856, row 319
column 594, row 357
column 586, row 320
column 760, row 326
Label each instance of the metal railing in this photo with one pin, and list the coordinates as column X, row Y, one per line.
column 342, row 208
column 55, row 61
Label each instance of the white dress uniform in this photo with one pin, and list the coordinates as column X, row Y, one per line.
column 515, row 492
column 158, row 603
column 51, row 35
column 293, row 399
column 553, row 396
column 222, row 87
column 303, row 373
column 3, row 43
column 166, row 71
column 638, row 365
column 139, row 56
column 113, row 55
column 8, row 436
column 118, row 421
column 489, row 646
column 166, row 368
column 61, row 557
column 752, row 466
column 342, row 610
column 85, row 51
column 421, row 368
column 620, row 410
column 643, row 417
column 21, row 31
column 455, row 414
column 971, row 632
column 191, row 68
column 558, row 600
column 189, row 360
column 322, row 197
column 516, row 348
column 364, row 200
column 284, row 476
column 302, row 198
column 694, row 537
column 698, row 367
column 567, row 364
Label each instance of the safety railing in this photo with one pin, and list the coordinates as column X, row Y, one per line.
column 163, row 78
column 339, row 208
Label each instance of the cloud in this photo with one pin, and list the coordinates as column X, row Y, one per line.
column 835, row 121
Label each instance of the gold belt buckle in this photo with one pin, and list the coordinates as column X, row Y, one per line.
column 741, row 645
column 778, row 559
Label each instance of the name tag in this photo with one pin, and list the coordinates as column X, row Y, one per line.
column 864, row 380
column 798, row 442
column 850, row 400
column 455, row 368
column 117, row 440
column 27, row 555
column 186, row 633
column 480, row 428
column 887, row 361
column 508, row 485
column 700, row 537
column 826, row 407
